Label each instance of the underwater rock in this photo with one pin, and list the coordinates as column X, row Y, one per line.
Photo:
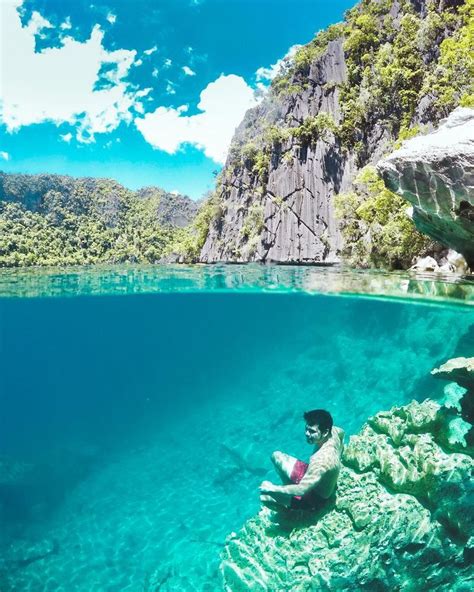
column 401, row 520
column 435, row 173
column 459, row 396
column 21, row 554
column 460, row 370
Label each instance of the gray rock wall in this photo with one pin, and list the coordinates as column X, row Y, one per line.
column 296, row 203
column 280, row 208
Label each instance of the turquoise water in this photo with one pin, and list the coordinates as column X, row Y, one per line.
column 135, row 428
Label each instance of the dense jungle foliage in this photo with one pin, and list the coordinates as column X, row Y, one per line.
column 377, row 227
column 57, row 220
column 409, row 64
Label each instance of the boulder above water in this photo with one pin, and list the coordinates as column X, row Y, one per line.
column 435, row 173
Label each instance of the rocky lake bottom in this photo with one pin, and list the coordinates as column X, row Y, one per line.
column 136, row 427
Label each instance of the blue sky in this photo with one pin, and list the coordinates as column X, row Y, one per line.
column 147, row 92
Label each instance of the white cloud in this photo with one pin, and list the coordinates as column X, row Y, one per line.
column 170, row 88
column 66, row 25
column 268, row 74
column 155, row 72
column 4, row 156
column 57, row 84
column 223, row 104
column 111, row 18
column 187, row 70
column 151, row 50
column 138, row 62
column 66, row 137
column 37, row 23
column 167, row 63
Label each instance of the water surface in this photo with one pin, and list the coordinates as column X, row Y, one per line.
column 139, row 406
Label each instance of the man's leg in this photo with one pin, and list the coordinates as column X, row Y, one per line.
column 284, row 464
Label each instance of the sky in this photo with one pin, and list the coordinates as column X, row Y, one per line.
column 147, row 92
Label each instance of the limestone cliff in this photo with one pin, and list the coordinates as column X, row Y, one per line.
column 284, row 211
column 337, row 106
column 402, row 518
column 435, row 173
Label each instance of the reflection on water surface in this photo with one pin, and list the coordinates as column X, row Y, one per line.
column 142, row 279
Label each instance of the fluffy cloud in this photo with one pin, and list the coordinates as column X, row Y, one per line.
column 66, row 25
column 58, row 84
column 151, row 50
column 4, row 156
column 222, row 105
column 187, row 70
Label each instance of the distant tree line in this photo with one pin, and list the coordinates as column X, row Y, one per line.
column 58, row 220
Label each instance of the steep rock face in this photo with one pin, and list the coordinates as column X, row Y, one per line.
column 435, row 173
column 402, row 518
column 293, row 215
column 339, row 105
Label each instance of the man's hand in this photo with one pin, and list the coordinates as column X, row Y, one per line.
column 267, row 487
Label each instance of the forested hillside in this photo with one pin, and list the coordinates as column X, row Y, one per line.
column 58, row 220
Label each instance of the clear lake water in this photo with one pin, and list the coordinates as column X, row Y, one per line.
column 139, row 407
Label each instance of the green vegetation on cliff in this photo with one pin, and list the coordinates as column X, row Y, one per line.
column 187, row 242
column 55, row 220
column 376, row 227
column 396, row 59
column 397, row 66
column 408, row 64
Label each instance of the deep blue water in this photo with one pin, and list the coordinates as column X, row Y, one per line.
column 134, row 430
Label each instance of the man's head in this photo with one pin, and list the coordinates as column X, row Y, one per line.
column 318, row 426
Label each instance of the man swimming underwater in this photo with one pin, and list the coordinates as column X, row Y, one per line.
column 307, row 486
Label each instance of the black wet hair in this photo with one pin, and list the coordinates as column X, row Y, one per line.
column 319, row 417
